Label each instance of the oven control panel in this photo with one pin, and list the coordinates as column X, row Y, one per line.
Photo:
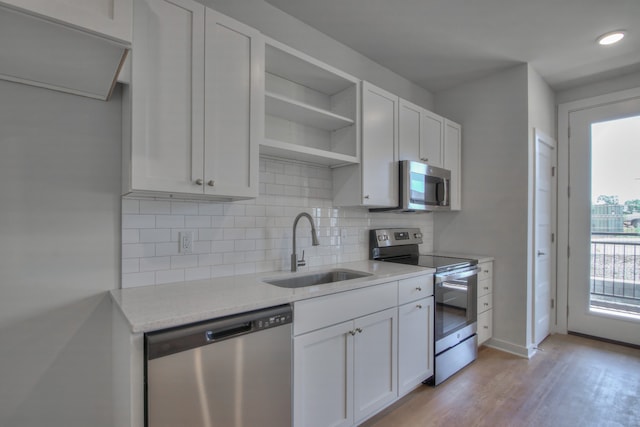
column 395, row 237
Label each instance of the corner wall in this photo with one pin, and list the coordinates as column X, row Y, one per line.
column 493, row 112
column 59, row 256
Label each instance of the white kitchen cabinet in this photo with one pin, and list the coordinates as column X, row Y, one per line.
column 485, row 301
column 421, row 134
column 375, row 362
column 193, row 134
column 44, row 52
column 346, row 371
column 432, row 147
column 374, row 182
column 415, row 332
column 109, row 18
column 312, row 109
column 452, row 161
column 415, row 344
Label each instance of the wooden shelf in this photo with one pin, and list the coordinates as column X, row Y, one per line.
column 299, row 112
column 301, row 153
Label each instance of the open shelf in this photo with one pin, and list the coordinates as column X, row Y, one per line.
column 290, row 109
column 285, row 150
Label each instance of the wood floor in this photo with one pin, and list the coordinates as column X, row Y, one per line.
column 571, row 381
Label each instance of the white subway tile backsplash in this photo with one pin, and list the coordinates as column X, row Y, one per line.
column 169, row 221
column 249, row 236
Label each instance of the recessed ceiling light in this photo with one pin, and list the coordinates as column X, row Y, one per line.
column 610, row 38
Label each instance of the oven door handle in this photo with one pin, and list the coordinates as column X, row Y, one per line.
column 461, row 275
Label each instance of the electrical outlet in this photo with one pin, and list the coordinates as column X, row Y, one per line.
column 185, row 242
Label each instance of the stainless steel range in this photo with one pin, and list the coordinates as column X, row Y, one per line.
column 455, row 289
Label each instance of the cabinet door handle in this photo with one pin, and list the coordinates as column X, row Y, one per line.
column 419, row 306
column 199, row 181
column 359, row 330
column 211, row 183
column 366, row 197
column 486, row 327
column 419, row 289
column 352, row 333
column 486, row 304
column 486, row 288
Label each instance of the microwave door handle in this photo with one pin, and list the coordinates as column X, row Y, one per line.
column 445, row 202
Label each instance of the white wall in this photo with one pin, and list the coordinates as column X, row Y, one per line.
column 542, row 117
column 624, row 82
column 494, row 116
column 278, row 25
column 59, row 255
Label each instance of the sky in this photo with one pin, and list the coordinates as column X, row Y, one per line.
column 615, row 159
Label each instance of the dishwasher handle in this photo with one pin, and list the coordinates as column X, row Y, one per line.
column 227, row 332
column 169, row 341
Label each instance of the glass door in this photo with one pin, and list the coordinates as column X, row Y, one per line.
column 604, row 236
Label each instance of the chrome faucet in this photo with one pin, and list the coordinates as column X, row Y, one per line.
column 295, row 262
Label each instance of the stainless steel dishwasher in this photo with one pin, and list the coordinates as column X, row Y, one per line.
column 229, row 372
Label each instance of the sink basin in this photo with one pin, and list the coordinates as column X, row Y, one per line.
column 319, row 278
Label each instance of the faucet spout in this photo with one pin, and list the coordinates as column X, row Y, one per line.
column 295, row 263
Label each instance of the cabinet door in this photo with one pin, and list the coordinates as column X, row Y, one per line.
column 323, row 377
column 485, row 326
column 111, row 18
column 452, row 157
column 409, row 131
column 432, row 138
column 415, row 344
column 375, row 363
column 167, row 96
column 379, row 147
column 234, row 107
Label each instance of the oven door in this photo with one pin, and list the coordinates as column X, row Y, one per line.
column 456, row 307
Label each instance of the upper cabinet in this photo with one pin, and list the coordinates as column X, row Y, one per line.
column 452, row 161
column 197, row 104
column 74, row 46
column 108, row 18
column 374, row 182
column 421, row 134
column 311, row 108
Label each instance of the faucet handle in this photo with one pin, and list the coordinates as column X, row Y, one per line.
column 301, row 262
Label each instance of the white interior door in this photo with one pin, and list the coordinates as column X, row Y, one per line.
column 583, row 316
column 544, row 229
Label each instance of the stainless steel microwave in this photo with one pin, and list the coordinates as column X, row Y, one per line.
column 424, row 187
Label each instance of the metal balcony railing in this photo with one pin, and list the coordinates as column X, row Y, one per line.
column 615, row 271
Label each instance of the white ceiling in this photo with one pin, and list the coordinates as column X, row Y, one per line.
column 440, row 44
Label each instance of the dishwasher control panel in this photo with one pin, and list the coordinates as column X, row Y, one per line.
column 271, row 321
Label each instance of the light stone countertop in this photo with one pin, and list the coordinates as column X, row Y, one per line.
column 479, row 258
column 156, row 307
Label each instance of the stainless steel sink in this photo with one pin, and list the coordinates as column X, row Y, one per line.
column 336, row 275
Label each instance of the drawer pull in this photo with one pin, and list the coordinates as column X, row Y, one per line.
column 419, row 289
column 419, row 306
column 486, row 288
column 486, row 327
column 352, row 333
column 359, row 330
column 486, row 271
column 486, row 304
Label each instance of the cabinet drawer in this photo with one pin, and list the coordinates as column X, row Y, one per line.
column 316, row 313
column 485, row 303
column 486, row 271
column 415, row 288
column 485, row 287
column 485, row 326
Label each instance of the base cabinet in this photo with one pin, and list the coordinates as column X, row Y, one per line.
column 415, row 344
column 485, row 301
column 346, row 372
